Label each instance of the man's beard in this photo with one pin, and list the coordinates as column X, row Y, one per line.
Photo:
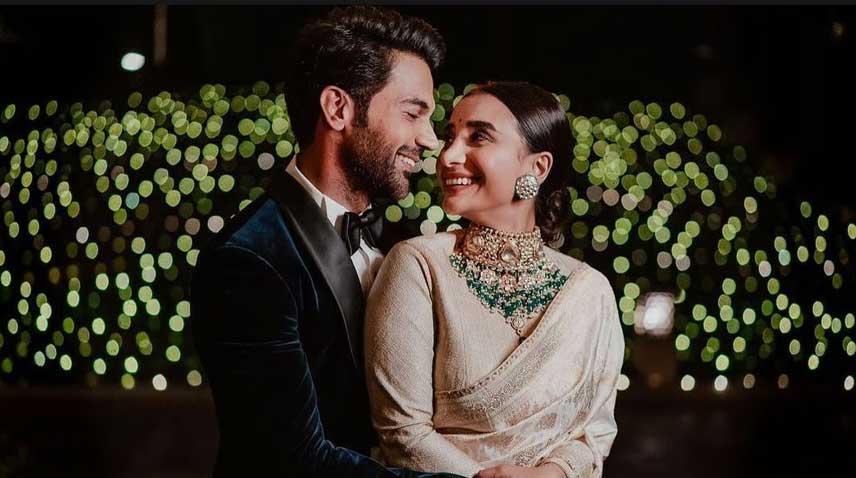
column 370, row 166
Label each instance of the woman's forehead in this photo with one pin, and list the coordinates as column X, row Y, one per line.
column 483, row 107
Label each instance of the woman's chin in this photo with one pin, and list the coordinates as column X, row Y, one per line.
column 454, row 205
column 449, row 208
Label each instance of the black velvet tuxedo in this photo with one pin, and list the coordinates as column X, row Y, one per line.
column 277, row 312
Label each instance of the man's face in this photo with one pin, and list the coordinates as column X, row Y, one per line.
column 379, row 157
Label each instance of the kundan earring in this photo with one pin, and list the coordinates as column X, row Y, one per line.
column 526, row 187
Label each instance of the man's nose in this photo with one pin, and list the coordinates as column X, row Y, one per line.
column 427, row 139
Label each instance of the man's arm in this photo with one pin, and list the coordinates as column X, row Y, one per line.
column 246, row 330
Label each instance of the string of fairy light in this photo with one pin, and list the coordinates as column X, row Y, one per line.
column 104, row 211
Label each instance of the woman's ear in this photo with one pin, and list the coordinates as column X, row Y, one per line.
column 337, row 108
column 541, row 166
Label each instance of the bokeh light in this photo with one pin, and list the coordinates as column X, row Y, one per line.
column 132, row 61
column 105, row 206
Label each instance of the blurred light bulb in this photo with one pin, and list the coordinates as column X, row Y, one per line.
column 133, row 61
column 655, row 314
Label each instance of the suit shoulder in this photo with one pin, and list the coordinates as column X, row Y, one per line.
column 259, row 230
column 250, row 228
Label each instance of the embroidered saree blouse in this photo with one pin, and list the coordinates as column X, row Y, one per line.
column 453, row 390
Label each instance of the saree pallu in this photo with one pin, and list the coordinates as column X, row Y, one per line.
column 551, row 399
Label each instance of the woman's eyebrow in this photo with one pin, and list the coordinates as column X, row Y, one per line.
column 473, row 124
column 479, row 124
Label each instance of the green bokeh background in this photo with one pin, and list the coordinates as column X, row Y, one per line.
column 105, row 207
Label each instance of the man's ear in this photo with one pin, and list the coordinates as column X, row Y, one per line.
column 541, row 166
column 337, row 108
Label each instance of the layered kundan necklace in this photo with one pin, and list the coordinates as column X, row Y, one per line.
column 508, row 273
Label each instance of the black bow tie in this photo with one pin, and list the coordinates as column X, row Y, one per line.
column 367, row 225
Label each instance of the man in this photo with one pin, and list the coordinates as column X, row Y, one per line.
column 278, row 295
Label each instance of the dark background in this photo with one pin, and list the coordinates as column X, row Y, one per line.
column 779, row 80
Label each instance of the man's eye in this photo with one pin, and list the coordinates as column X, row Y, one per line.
column 411, row 115
column 479, row 136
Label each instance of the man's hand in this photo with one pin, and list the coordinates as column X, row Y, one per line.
column 547, row 470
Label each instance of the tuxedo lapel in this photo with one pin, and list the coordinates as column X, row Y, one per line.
column 329, row 253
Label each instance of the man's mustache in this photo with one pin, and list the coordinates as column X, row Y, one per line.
column 415, row 154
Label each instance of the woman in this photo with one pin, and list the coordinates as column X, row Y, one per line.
column 488, row 353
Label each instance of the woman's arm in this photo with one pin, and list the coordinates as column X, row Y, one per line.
column 582, row 456
column 399, row 353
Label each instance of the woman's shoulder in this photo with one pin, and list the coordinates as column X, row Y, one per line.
column 419, row 257
column 431, row 245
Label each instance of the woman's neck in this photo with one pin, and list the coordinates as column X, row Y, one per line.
column 513, row 222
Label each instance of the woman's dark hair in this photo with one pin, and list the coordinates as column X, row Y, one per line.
column 543, row 126
column 352, row 48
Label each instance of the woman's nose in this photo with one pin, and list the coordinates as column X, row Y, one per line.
column 452, row 155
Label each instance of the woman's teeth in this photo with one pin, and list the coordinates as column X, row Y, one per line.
column 459, row 181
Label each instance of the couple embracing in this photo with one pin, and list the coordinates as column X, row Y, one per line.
column 331, row 350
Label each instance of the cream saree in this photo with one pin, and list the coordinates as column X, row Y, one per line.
column 453, row 390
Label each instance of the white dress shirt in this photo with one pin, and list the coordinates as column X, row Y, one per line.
column 366, row 259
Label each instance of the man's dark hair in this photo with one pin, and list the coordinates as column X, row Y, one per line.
column 352, row 48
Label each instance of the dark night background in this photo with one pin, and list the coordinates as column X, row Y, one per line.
column 779, row 80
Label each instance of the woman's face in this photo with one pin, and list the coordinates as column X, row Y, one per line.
column 482, row 157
